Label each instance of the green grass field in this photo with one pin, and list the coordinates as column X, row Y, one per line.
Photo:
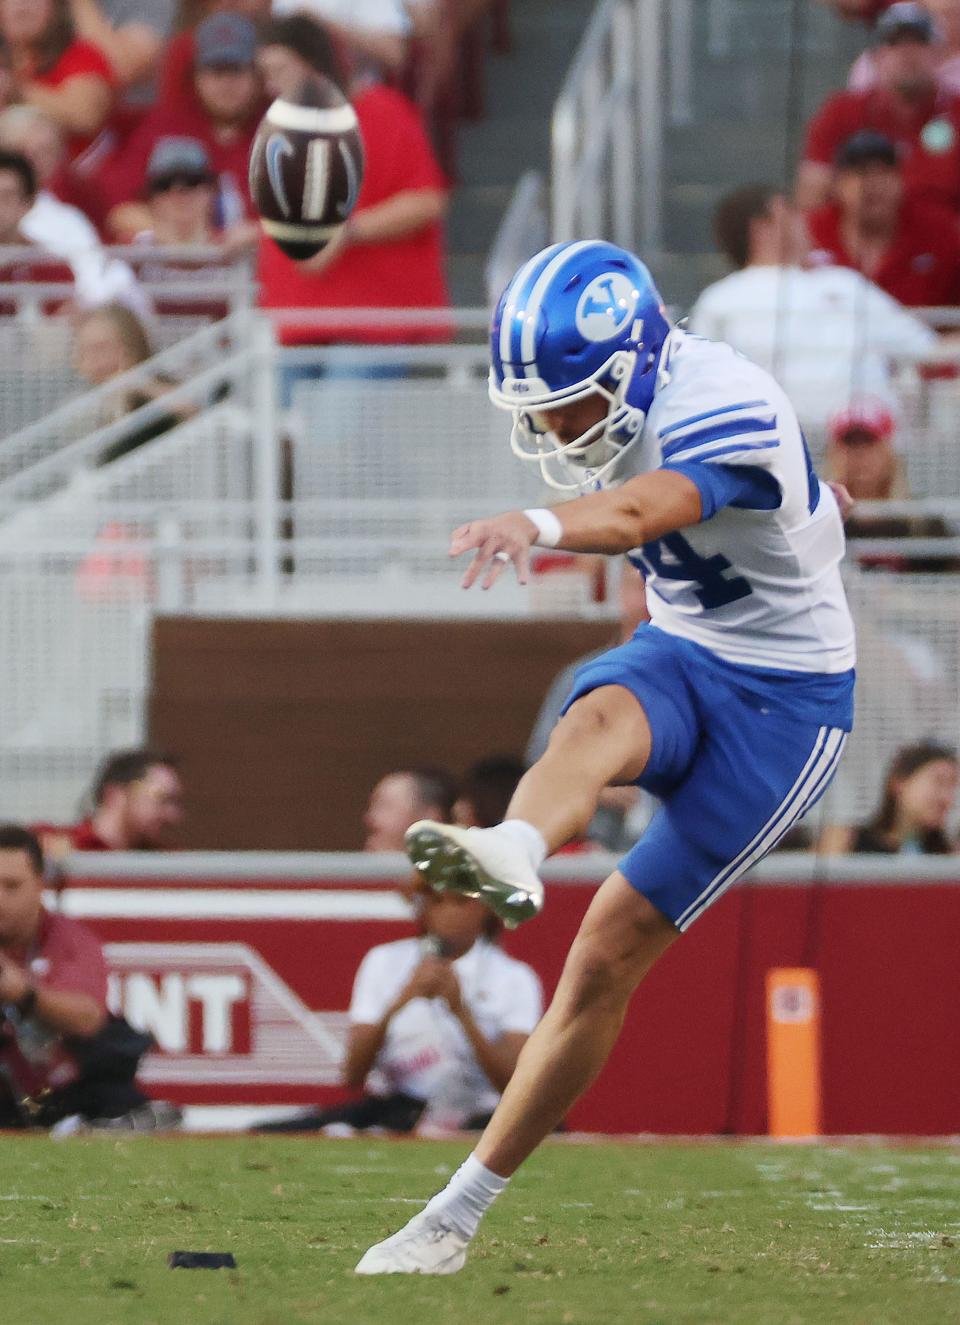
column 641, row 1235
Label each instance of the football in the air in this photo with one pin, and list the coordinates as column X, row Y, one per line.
column 306, row 166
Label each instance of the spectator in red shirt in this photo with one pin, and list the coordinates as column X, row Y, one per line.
column 946, row 16
column 908, row 247
column 907, row 105
column 62, row 1054
column 53, row 980
column 131, row 34
column 222, row 114
column 389, row 254
column 67, row 78
column 177, row 70
column 137, row 804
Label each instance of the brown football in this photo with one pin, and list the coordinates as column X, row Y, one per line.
column 306, row 165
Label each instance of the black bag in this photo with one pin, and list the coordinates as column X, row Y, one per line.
column 108, row 1063
column 114, row 1053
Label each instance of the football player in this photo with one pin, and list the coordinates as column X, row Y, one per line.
column 732, row 704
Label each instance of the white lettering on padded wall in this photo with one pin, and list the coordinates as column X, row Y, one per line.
column 161, row 1005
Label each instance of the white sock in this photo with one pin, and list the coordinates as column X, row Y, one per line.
column 528, row 837
column 467, row 1197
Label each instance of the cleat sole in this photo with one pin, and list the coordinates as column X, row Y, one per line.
column 448, row 867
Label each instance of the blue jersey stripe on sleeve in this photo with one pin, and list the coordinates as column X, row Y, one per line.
column 713, row 414
column 732, row 450
column 718, row 433
column 706, row 457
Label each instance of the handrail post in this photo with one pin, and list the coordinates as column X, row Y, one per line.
column 681, row 62
column 649, row 51
column 623, row 151
column 266, row 462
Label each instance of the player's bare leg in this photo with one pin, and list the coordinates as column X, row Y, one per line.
column 621, row 937
column 604, row 737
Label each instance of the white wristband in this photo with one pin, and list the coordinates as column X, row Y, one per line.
column 549, row 528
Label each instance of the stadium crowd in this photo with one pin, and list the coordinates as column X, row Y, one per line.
column 135, row 120
column 130, row 122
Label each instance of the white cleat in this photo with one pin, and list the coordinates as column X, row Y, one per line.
column 420, row 1247
column 477, row 862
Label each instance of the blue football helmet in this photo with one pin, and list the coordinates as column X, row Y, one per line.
column 579, row 318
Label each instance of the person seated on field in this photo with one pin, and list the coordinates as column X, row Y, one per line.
column 919, row 794
column 221, row 112
column 137, row 799
column 822, row 332
column 909, row 248
column 390, row 252
column 402, row 797
column 437, row 1023
column 55, row 71
column 61, row 1053
column 907, row 105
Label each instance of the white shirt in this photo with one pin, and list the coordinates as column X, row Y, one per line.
column 371, row 15
column 755, row 585
column 827, row 335
column 425, row 1053
column 67, row 233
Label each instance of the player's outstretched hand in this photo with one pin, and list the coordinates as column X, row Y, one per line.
column 499, row 541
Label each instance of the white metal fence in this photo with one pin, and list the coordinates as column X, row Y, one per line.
column 177, row 291
column 594, row 157
column 344, row 510
column 339, row 504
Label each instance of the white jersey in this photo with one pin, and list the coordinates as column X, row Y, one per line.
column 758, row 582
column 426, row 1053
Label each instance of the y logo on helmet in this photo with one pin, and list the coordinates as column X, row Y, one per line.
column 606, row 306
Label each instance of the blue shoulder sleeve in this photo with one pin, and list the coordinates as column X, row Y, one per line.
column 744, row 486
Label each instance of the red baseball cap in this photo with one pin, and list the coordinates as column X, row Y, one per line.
column 869, row 416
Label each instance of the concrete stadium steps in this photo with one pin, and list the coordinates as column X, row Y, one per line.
column 513, row 136
column 744, row 127
column 739, row 131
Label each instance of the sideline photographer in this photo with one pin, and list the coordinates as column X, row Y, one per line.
column 62, row 1055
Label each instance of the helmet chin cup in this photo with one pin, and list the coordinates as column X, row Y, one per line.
column 586, row 463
